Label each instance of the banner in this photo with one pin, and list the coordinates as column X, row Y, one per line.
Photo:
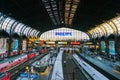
column 3, row 45
column 24, row 45
column 112, row 47
column 15, row 45
column 103, row 46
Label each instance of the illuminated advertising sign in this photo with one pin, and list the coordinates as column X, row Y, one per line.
column 103, row 46
column 3, row 45
column 112, row 47
column 74, row 43
column 15, row 45
column 63, row 34
column 24, row 45
column 41, row 42
column 62, row 42
column 50, row 42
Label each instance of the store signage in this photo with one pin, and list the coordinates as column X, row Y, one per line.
column 50, row 42
column 63, row 34
column 74, row 43
column 62, row 42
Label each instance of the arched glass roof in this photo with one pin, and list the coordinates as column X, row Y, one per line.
column 64, row 34
column 107, row 28
column 8, row 24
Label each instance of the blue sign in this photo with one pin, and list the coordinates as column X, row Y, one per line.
column 63, row 34
column 112, row 47
column 33, row 76
column 15, row 46
column 25, row 75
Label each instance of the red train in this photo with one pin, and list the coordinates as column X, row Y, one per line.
column 43, row 50
column 4, row 76
column 13, row 53
column 7, row 65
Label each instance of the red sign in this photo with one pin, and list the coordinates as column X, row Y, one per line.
column 75, row 43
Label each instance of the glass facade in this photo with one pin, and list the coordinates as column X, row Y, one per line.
column 107, row 28
column 8, row 24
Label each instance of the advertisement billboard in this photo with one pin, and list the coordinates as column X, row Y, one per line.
column 15, row 45
column 103, row 46
column 112, row 47
column 24, row 45
column 63, row 33
column 75, row 43
column 3, row 45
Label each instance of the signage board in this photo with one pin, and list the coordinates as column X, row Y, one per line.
column 62, row 42
column 74, row 43
column 63, row 34
column 103, row 46
column 112, row 47
column 25, row 75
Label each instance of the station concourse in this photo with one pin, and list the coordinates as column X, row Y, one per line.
column 59, row 39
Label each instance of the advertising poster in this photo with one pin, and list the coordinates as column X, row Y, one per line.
column 15, row 45
column 112, row 47
column 24, row 45
column 103, row 46
column 3, row 45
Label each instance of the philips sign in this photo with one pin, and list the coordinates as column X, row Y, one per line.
column 63, row 34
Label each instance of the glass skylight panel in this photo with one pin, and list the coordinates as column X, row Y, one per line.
column 73, row 5
column 118, row 18
column 112, row 25
column 49, row 10
column 54, row 9
column 17, row 27
column 68, row 1
column 33, row 34
column 23, row 29
column 45, row 1
column 47, row 6
column 107, row 29
column 117, row 24
column 10, row 24
column 71, row 15
column 26, row 30
column 4, row 25
column 100, row 32
column 29, row 32
column 1, row 18
column 20, row 28
column 70, row 21
column 54, row 5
